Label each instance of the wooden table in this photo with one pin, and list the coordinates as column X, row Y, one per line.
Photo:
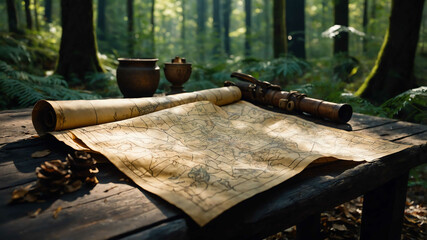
column 117, row 208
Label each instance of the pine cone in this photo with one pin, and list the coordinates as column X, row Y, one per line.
column 58, row 177
column 52, row 176
column 83, row 167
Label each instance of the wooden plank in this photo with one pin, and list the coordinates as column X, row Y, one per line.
column 93, row 213
column 414, row 139
column 16, row 125
column 383, row 209
column 394, row 131
column 174, row 230
column 16, row 164
column 360, row 121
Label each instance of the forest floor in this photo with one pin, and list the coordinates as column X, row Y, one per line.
column 343, row 222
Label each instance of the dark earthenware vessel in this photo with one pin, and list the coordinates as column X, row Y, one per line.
column 178, row 72
column 138, row 77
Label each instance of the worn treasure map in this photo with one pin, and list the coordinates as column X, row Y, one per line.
column 206, row 158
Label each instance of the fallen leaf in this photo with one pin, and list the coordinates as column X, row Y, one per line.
column 56, row 212
column 74, row 186
column 35, row 213
column 40, row 154
column 339, row 227
column 19, row 193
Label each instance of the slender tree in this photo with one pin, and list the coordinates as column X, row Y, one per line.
column 78, row 50
column 373, row 9
column 341, row 18
column 323, row 23
column 280, row 45
column 295, row 26
column 153, row 35
column 216, row 27
column 28, row 17
column 12, row 16
column 365, row 25
column 48, row 11
column 201, row 27
column 226, row 11
column 393, row 72
column 183, row 26
column 131, row 40
column 36, row 16
column 267, row 29
column 373, row 13
column 248, row 23
column 101, row 26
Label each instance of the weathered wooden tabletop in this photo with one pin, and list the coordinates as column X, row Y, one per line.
column 117, row 208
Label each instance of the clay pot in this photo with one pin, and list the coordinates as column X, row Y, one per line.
column 177, row 73
column 138, row 77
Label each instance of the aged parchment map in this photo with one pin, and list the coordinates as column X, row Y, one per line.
column 204, row 158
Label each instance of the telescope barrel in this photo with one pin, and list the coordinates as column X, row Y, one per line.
column 265, row 93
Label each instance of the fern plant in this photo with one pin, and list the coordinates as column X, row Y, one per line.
column 409, row 106
column 13, row 51
column 21, row 89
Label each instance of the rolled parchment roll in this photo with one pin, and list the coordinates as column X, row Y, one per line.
column 50, row 116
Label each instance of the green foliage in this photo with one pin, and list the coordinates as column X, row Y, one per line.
column 103, row 84
column 12, row 50
column 32, row 52
column 409, row 106
column 280, row 71
column 21, row 89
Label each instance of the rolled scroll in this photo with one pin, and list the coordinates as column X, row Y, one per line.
column 50, row 116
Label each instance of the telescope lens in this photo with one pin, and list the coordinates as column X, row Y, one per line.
column 345, row 113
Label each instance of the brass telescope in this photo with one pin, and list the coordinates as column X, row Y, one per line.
column 266, row 93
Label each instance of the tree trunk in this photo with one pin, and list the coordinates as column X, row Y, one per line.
column 28, row 17
column 393, row 71
column 78, row 51
column 373, row 9
column 280, row 44
column 36, row 16
column 323, row 23
column 226, row 21
column 101, row 26
column 365, row 25
column 341, row 18
column 153, row 36
column 267, row 33
column 48, row 11
column 295, row 26
column 201, row 27
column 12, row 16
column 216, row 28
column 373, row 13
column 183, row 26
column 248, row 23
column 129, row 8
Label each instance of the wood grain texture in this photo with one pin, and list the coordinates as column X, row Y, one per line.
column 15, row 125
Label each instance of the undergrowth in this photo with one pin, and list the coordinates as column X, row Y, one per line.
column 21, row 89
column 24, row 61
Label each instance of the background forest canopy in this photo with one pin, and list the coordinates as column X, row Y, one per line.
column 217, row 37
